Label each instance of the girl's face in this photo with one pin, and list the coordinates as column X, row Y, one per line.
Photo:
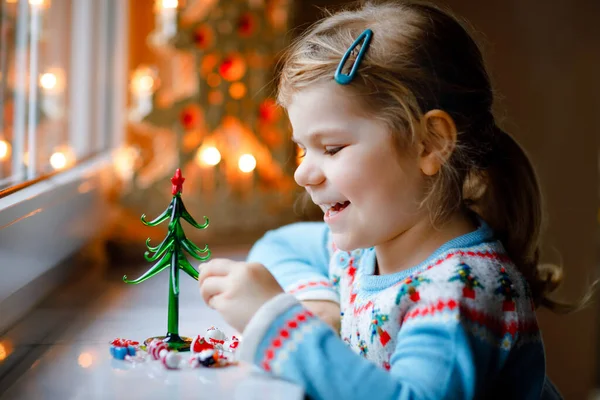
column 369, row 193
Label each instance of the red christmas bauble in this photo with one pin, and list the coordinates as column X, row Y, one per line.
column 203, row 37
column 268, row 111
column 232, row 68
column 190, row 117
column 246, row 25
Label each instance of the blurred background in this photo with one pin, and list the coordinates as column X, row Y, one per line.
column 101, row 101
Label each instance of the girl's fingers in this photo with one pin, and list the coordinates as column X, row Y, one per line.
column 212, row 286
column 215, row 301
column 216, row 267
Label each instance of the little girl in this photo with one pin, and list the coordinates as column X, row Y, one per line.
column 430, row 245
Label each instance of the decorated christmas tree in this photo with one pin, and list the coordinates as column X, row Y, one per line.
column 171, row 253
column 208, row 106
column 506, row 289
column 465, row 275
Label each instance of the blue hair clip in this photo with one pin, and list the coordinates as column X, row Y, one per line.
column 342, row 78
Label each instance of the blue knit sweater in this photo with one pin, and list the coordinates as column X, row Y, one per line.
column 460, row 325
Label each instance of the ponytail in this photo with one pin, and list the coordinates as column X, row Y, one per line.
column 512, row 206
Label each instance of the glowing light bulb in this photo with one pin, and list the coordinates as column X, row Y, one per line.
column 39, row 4
column 237, row 90
column 146, row 83
column 170, row 3
column 4, row 150
column 143, row 81
column 58, row 160
column 125, row 161
column 85, row 360
column 5, row 349
column 48, row 81
column 247, row 163
column 209, row 155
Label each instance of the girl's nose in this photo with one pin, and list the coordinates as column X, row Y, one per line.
column 308, row 173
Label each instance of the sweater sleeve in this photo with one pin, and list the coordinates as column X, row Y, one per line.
column 432, row 357
column 298, row 257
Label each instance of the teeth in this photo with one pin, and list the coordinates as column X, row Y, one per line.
column 330, row 205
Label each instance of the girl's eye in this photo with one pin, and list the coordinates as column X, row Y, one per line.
column 333, row 150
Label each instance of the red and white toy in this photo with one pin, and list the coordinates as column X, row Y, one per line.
column 215, row 337
column 233, row 344
column 199, row 344
column 170, row 359
column 155, row 348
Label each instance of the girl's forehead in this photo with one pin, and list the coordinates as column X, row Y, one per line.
column 323, row 104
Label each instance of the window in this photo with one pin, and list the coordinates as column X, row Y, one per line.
column 57, row 61
column 62, row 101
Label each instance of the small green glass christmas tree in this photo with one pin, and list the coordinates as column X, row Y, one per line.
column 171, row 254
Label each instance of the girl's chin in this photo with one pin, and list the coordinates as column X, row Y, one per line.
column 344, row 242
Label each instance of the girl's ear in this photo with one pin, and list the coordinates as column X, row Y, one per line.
column 438, row 141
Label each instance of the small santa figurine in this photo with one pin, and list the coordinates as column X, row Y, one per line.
column 215, row 337
column 199, row 344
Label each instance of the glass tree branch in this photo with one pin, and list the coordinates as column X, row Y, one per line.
column 156, row 268
column 187, row 268
column 160, row 251
column 193, row 252
column 158, row 220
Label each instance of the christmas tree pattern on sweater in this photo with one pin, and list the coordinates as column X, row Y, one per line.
column 410, row 287
column 465, row 275
column 377, row 323
column 507, row 290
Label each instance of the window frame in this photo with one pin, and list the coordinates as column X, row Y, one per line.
column 46, row 219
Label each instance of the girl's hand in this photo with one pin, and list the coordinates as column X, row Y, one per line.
column 236, row 289
column 328, row 311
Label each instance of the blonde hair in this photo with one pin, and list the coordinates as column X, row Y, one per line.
column 422, row 58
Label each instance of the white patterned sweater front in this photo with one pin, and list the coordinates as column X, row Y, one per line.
column 461, row 322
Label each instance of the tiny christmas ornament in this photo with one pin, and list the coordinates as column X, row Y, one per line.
column 156, row 347
column 199, row 344
column 120, row 348
column 170, row 359
column 216, row 337
column 233, row 344
column 171, row 254
column 210, row 359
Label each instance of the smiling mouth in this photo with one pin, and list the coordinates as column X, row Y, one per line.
column 336, row 209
